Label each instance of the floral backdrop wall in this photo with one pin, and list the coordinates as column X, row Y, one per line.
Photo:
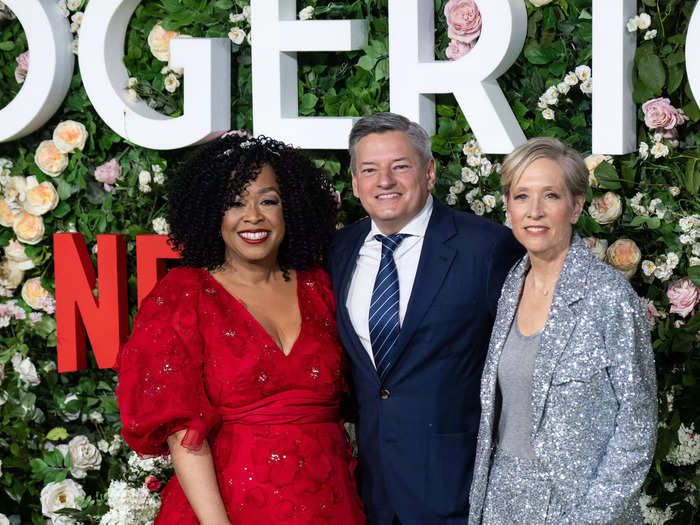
column 61, row 457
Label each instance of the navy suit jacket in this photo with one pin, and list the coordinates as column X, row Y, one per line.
column 417, row 445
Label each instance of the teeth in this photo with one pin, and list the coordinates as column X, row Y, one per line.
column 254, row 236
column 536, row 229
column 389, row 196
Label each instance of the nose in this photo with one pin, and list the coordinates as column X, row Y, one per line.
column 385, row 178
column 253, row 214
column 535, row 209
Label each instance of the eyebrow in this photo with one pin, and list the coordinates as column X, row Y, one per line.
column 268, row 189
column 522, row 188
column 371, row 162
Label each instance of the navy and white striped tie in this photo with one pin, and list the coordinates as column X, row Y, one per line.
column 384, row 308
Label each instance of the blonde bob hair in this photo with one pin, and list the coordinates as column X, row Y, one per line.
column 570, row 161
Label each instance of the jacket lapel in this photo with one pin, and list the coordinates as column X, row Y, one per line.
column 353, row 346
column 435, row 261
column 560, row 324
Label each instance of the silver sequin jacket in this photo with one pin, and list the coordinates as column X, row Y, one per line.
column 593, row 403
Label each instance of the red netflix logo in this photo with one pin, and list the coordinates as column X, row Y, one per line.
column 103, row 319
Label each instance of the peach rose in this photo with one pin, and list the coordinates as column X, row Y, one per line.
column 7, row 215
column 159, row 42
column 606, row 209
column 70, row 135
column 624, row 255
column 463, row 20
column 597, row 246
column 592, row 162
column 10, row 275
column 29, row 228
column 34, row 294
column 17, row 257
column 50, row 159
column 457, row 49
column 683, row 296
column 40, row 198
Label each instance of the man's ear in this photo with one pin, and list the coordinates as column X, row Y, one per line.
column 430, row 173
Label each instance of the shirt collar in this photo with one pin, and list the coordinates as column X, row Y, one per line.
column 416, row 226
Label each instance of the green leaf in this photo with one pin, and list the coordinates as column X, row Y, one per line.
column 56, row 434
column 540, row 55
column 675, row 78
column 382, row 70
column 692, row 110
column 367, row 62
column 63, row 189
column 652, row 72
column 307, row 103
column 694, row 274
column 62, row 210
column 7, row 46
column 223, row 4
column 691, row 178
column 607, row 176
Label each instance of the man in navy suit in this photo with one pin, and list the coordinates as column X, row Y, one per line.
column 416, row 287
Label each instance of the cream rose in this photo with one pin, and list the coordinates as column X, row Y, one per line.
column 597, row 246
column 7, row 215
column 159, row 42
column 70, row 135
column 34, row 294
column 27, row 372
column 540, row 3
column 61, row 495
column 29, row 228
column 624, row 255
column 17, row 257
column 592, row 161
column 50, row 159
column 40, row 198
column 84, row 456
column 606, row 209
column 10, row 275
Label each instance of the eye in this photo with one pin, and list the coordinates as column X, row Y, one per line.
column 237, row 204
column 368, row 171
column 551, row 195
column 270, row 202
column 401, row 166
column 520, row 196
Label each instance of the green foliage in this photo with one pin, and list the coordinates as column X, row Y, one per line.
column 657, row 193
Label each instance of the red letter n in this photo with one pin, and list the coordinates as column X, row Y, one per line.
column 151, row 252
column 105, row 318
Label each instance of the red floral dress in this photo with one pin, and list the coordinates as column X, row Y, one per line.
column 197, row 360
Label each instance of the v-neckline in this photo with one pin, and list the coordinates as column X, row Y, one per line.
column 257, row 323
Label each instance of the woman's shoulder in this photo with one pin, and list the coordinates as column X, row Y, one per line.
column 608, row 287
column 179, row 284
column 315, row 275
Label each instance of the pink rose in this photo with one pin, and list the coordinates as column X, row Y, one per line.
column 463, row 20
column 683, row 296
column 660, row 114
column 22, row 67
column 457, row 49
column 650, row 308
column 108, row 173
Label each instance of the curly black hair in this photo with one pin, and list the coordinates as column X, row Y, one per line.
column 204, row 188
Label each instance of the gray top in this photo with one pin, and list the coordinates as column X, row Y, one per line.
column 515, row 370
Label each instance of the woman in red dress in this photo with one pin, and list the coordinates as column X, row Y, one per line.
column 234, row 366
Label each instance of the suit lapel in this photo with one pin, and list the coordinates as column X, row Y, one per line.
column 561, row 321
column 435, row 261
column 354, row 347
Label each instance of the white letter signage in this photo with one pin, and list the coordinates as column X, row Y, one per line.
column 416, row 76
column 50, row 68
column 207, row 65
column 614, row 111
column 692, row 42
column 276, row 38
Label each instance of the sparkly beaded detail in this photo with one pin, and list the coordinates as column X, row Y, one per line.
column 194, row 349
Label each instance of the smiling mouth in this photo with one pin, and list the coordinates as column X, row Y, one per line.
column 388, row 196
column 536, row 229
column 254, row 237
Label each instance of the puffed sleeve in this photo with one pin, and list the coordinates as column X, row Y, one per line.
column 160, row 369
column 613, row 493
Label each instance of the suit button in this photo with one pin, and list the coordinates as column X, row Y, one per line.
column 384, row 393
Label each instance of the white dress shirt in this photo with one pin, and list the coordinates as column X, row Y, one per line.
column 406, row 257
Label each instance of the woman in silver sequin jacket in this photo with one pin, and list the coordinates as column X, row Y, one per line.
column 590, row 397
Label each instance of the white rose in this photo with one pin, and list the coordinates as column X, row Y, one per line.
column 650, row 35
column 4, row 520
column 597, row 246
column 606, row 209
column 571, row 79
column 246, row 12
column 632, row 24
column 587, row 86
column 62, row 520
column 144, row 188
column 486, row 167
column 61, row 495
column 96, row 417
column 237, row 35
column 158, row 177
column 29, row 228
column 15, row 254
column 171, row 83
column 62, row 8
column 50, row 159
column 451, row 199
column 84, row 456
column 116, row 445
column 39, row 198
column 563, row 88
column 237, row 18
column 159, row 42
column 548, row 114
column 539, row 3
column 583, row 72
column 644, row 150
column 73, row 4
column 489, row 202
column 659, row 150
column 70, row 135
column 103, row 446
column 468, row 175
column 648, row 268
column 643, row 21
column 672, row 260
column 306, row 13
column 478, row 207
column 675, row 191
column 27, row 372
column 144, row 177
column 69, row 416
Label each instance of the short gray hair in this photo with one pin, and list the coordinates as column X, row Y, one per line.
column 383, row 122
column 570, row 161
